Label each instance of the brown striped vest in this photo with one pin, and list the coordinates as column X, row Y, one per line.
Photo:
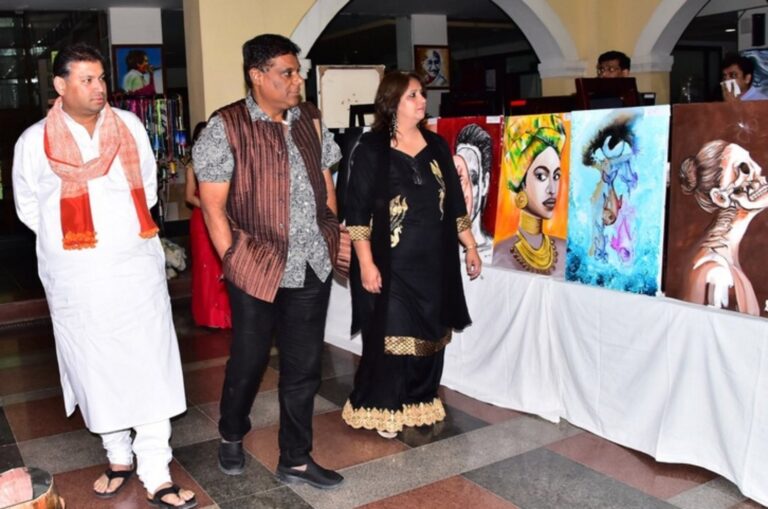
column 258, row 202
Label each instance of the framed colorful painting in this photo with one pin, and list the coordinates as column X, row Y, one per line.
column 138, row 69
column 475, row 145
column 718, row 227
column 433, row 63
column 532, row 213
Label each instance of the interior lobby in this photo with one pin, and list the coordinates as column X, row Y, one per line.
column 517, row 441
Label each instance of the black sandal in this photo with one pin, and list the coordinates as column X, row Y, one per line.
column 157, row 499
column 112, row 475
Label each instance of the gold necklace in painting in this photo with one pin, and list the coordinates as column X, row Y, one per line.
column 541, row 260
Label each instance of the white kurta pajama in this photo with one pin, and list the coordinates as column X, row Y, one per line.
column 116, row 345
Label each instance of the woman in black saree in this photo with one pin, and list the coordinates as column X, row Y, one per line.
column 406, row 214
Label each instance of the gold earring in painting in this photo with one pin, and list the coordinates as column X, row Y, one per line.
column 521, row 199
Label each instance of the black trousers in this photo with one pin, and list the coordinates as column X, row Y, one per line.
column 296, row 319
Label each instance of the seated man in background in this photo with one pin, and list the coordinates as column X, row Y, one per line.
column 613, row 64
column 741, row 70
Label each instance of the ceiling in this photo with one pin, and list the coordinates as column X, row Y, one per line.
column 364, row 30
column 458, row 9
column 83, row 5
column 711, row 29
column 362, row 13
column 454, row 9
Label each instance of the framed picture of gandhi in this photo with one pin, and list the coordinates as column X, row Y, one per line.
column 433, row 63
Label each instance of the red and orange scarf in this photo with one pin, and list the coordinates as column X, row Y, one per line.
column 115, row 140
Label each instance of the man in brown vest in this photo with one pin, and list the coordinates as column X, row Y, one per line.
column 266, row 194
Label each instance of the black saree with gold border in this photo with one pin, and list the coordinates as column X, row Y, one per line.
column 410, row 209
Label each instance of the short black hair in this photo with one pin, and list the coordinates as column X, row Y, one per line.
column 746, row 64
column 624, row 60
column 258, row 52
column 135, row 58
column 78, row 52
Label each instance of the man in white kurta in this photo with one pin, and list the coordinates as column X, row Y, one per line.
column 116, row 345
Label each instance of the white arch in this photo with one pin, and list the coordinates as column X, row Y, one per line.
column 314, row 22
column 653, row 51
column 550, row 40
column 548, row 37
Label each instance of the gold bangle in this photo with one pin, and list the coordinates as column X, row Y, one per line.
column 471, row 246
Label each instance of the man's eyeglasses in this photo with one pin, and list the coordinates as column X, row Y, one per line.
column 606, row 69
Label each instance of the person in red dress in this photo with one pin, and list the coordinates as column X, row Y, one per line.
column 210, row 302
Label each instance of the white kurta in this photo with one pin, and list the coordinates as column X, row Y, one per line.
column 116, row 345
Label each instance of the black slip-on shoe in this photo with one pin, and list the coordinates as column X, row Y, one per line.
column 315, row 475
column 231, row 458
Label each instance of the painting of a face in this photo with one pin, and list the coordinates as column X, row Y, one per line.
column 466, row 183
column 542, row 183
column 616, row 198
column 432, row 64
column 532, row 212
column 479, row 188
column 717, row 228
column 144, row 64
column 742, row 179
column 470, row 158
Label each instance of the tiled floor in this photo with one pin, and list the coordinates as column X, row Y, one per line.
column 481, row 456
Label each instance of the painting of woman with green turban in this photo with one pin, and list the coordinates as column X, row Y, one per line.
column 531, row 221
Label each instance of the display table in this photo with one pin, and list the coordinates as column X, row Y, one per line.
column 683, row 383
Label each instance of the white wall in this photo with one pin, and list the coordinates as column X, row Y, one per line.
column 135, row 25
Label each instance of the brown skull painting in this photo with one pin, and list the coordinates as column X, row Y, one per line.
column 717, row 232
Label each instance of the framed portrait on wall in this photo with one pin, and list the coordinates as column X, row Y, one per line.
column 138, row 69
column 434, row 65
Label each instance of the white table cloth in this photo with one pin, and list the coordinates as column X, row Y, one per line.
column 683, row 383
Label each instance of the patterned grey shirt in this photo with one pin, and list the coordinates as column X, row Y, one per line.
column 214, row 162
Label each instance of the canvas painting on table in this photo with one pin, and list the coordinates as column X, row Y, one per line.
column 717, row 229
column 475, row 145
column 532, row 212
column 616, row 198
